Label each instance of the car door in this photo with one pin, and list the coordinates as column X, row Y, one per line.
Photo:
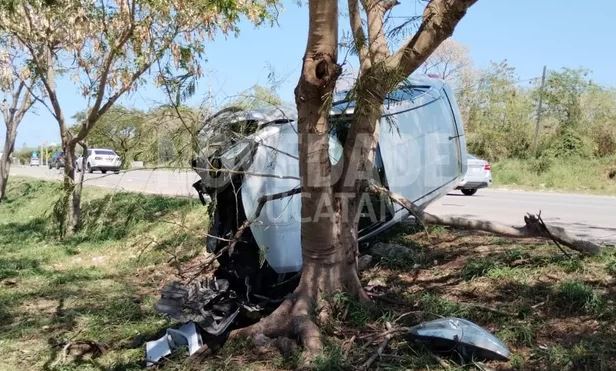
column 420, row 144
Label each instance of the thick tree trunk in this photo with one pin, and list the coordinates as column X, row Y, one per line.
column 328, row 230
column 5, row 161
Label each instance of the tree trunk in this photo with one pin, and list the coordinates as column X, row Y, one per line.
column 328, row 230
column 5, row 161
column 72, row 196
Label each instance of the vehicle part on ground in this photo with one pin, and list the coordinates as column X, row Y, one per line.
column 186, row 336
column 457, row 335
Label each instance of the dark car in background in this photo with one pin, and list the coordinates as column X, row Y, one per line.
column 56, row 160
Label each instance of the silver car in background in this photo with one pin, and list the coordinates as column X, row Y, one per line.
column 102, row 159
column 478, row 175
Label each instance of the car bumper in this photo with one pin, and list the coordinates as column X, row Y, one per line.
column 474, row 184
column 107, row 167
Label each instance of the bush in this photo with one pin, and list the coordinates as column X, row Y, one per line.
column 569, row 143
column 540, row 165
column 604, row 140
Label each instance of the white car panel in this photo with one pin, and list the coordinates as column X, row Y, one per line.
column 423, row 154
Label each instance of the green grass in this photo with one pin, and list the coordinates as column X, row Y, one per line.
column 578, row 297
column 101, row 284
column 572, row 175
column 98, row 285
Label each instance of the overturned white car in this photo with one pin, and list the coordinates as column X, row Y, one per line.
column 245, row 155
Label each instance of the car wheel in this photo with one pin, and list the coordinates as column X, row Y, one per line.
column 104, row 171
column 469, row 192
column 89, row 168
column 58, row 166
column 49, row 164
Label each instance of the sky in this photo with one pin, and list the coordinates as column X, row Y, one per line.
column 527, row 33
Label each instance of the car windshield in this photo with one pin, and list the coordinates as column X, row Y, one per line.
column 104, row 152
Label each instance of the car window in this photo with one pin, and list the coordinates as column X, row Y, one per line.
column 104, row 152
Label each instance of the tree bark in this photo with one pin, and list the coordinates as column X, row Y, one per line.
column 72, row 196
column 329, row 241
column 5, row 161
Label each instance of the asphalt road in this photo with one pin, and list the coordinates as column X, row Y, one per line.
column 592, row 217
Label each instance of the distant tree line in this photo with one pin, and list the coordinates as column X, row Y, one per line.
column 578, row 116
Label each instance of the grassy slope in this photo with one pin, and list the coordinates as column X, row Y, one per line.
column 573, row 175
column 99, row 285
column 553, row 312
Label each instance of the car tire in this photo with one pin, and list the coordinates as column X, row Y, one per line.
column 58, row 166
column 104, row 171
column 89, row 168
column 469, row 192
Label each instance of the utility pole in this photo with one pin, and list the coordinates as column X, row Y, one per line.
column 538, row 123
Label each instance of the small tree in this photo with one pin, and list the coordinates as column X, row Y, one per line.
column 15, row 80
column 106, row 47
column 449, row 61
column 329, row 228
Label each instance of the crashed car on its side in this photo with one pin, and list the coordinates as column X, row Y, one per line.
column 421, row 155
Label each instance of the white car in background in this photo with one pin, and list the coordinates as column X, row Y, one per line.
column 100, row 159
column 478, row 175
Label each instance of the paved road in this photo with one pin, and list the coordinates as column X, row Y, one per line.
column 593, row 217
column 166, row 182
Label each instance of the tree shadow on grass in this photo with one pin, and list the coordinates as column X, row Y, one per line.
column 115, row 216
column 77, row 306
column 14, row 234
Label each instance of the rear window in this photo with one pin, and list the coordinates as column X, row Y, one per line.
column 104, row 152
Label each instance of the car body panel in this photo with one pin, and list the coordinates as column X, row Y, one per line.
column 423, row 151
column 277, row 229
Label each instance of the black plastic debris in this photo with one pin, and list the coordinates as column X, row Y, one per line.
column 457, row 335
column 210, row 303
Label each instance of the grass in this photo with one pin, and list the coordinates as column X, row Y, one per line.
column 572, row 175
column 99, row 285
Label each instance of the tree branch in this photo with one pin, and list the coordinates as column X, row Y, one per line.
column 375, row 10
column 359, row 35
column 439, row 20
column 533, row 227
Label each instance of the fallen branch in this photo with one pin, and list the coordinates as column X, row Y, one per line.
column 533, row 227
column 380, row 349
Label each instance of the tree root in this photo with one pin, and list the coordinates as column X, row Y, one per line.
column 292, row 318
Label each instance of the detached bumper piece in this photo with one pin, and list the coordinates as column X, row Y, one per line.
column 457, row 335
column 174, row 339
